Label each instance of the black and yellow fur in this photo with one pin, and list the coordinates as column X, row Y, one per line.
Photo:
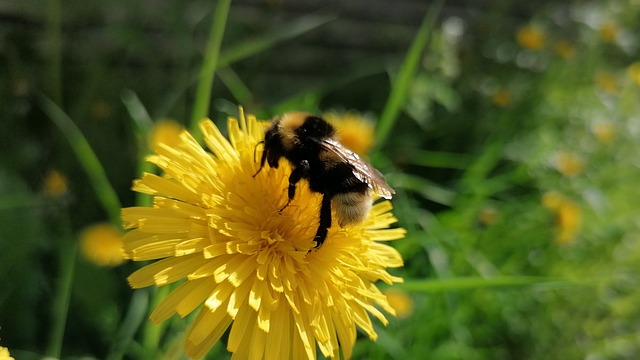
column 309, row 144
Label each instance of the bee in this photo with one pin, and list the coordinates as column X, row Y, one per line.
column 345, row 181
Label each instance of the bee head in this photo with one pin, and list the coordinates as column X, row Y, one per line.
column 272, row 147
column 272, row 151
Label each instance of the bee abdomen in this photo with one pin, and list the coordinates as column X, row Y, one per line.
column 352, row 207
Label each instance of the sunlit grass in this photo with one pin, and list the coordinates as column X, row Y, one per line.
column 512, row 148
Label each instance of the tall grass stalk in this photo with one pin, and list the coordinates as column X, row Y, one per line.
column 208, row 69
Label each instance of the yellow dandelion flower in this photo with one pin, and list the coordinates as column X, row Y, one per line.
column 502, row 97
column 634, row 72
column 55, row 184
column 609, row 32
column 607, row 82
column 102, row 245
column 166, row 132
column 530, row 37
column 245, row 265
column 564, row 49
column 604, row 131
column 4, row 354
column 400, row 301
column 568, row 164
column 568, row 216
column 356, row 133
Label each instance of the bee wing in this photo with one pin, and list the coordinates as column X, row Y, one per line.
column 362, row 170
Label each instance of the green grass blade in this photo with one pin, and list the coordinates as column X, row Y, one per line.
column 133, row 319
column 251, row 47
column 19, row 200
column 87, row 157
column 60, row 302
column 427, row 189
column 474, row 283
column 54, row 33
column 141, row 118
column 152, row 333
column 234, row 83
column 402, row 83
column 143, row 126
column 210, row 63
column 440, row 159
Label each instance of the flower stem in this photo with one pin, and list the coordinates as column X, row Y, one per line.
column 207, row 72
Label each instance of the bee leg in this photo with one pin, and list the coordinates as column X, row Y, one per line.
column 263, row 159
column 325, row 221
column 295, row 176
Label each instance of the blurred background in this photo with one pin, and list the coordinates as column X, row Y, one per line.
column 509, row 130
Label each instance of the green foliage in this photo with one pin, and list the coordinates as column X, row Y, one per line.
column 512, row 145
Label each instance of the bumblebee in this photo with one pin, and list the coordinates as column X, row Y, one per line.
column 345, row 181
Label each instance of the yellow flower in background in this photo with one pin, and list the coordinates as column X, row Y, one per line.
column 530, row 37
column 633, row 71
column 502, row 97
column 100, row 110
column 564, row 49
column 568, row 216
column 55, row 184
column 569, row 219
column 488, row 215
column 400, row 301
column 102, row 245
column 604, row 131
column 607, row 82
column 4, row 354
column 245, row 265
column 166, row 132
column 552, row 199
column 609, row 32
column 568, row 163
column 356, row 133
column 20, row 87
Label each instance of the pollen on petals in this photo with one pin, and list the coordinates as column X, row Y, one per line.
column 242, row 264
